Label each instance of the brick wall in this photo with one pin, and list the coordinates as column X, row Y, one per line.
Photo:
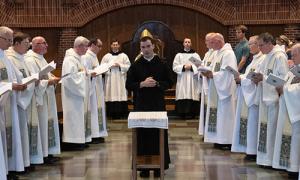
column 292, row 31
column 76, row 13
column 231, row 38
column 66, row 40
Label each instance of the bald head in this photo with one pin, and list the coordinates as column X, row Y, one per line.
column 39, row 45
column 208, row 39
column 253, row 45
column 6, row 37
column 217, row 41
column 296, row 53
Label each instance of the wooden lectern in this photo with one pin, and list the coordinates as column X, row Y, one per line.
column 148, row 120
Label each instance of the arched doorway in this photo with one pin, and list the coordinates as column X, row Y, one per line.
column 160, row 31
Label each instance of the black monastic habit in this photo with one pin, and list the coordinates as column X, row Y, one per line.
column 149, row 99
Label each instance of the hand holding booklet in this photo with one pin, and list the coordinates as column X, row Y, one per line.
column 195, row 61
column 101, row 69
column 275, row 80
column 204, row 69
column 232, row 71
column 30, row 79
column 48, row 68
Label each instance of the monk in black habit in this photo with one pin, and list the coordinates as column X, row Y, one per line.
column 148, row 78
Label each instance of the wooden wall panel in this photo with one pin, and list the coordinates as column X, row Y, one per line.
column 52, row 37
column 275, row 30
column 122, row 24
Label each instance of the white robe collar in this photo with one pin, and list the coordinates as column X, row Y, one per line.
column 226, row 46
column 71, row 52
column 276, row 49
column 91, row 53
column 12, row 52
column 32, row 53
column 149, row 59
column 256, row 56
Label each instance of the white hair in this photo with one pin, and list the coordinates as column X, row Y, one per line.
column 5, row 30
column 219, row 37
column 80, row 40
column 253, row 38
column 209, row 35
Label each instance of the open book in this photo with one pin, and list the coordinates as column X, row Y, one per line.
column 30, row 79
column 295, row 70
column 232, row 71
column 101, row 69
column 195, row 61
column 48, row 68
column 5, row 87
column 275, row 80
column 204, row 69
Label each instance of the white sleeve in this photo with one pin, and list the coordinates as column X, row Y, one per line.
column 224, row 80
column 177, row 64
column 75, row 82
column 125, row 64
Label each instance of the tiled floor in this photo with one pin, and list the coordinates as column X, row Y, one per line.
column 191, row 159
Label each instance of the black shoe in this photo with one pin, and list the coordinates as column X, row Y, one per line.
column 293, row 175
column 225, row 147
column 144, row 173
column 156, row 173
column 30, row 168
column 48, row 161
column 217, row 146
column 250, row 157
column 12, row 176
column 53, row 158
column 72, row 147
column 265, row 167
column 101, row 140
column 97, row 140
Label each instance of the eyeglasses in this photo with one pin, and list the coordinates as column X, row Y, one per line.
column 45, row 43
column 6, row 39
column 261, row 45
column 83, row 45
column 25, row 42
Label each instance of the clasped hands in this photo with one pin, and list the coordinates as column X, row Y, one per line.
column 148, row 82
column 115, row 65
column 187, row 66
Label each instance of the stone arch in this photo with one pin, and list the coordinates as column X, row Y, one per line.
column 89, row 10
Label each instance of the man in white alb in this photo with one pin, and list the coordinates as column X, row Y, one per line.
column 115, row 78
column 187, row 87
column 97, row 105
column 46, row 100
column 275, row 62
column 287, row 141
column 74, row 90
column 220, row 112
column 246, row 120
